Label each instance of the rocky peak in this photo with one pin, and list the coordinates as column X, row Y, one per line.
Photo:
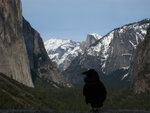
column 91, row 39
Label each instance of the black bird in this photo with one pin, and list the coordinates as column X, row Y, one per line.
column 94, row 90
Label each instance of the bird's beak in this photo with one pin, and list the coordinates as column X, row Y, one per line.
column 84, row 73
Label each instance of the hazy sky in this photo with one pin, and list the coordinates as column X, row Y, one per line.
column 74, row 19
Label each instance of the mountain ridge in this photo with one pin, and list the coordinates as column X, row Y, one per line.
column 62, row 52
column 114, row 51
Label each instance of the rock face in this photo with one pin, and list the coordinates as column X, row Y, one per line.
column 22, row 53
column 13, row 55
column 91, row 39
column 113, row 52
column 40, row 63
column 141, row 71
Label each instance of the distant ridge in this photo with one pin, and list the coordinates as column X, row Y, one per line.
column 62, row 52
column 113, row 54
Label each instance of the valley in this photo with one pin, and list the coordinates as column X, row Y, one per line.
column 37, row 76
column 45, row 96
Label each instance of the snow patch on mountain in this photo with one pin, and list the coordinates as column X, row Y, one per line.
column 125, row 76
column 125, row 68
column 96, row 36
column 126, row 54
column 55, row 43
column 134, row 46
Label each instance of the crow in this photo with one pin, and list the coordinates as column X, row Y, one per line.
column 94, row 90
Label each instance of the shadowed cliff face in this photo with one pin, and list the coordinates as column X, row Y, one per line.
column 22, row 52
column 40, row 64
column 13, row 55
column 141, row 71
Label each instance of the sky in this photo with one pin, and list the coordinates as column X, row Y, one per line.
column 74, row 19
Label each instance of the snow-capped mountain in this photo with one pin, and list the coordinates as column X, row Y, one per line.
column 115, row 51
column 62, row 52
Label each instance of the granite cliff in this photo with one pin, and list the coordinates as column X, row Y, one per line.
column 22, row 53
column 40, row 63
column 13, row 55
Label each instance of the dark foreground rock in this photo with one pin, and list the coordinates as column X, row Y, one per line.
column 50, row 111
